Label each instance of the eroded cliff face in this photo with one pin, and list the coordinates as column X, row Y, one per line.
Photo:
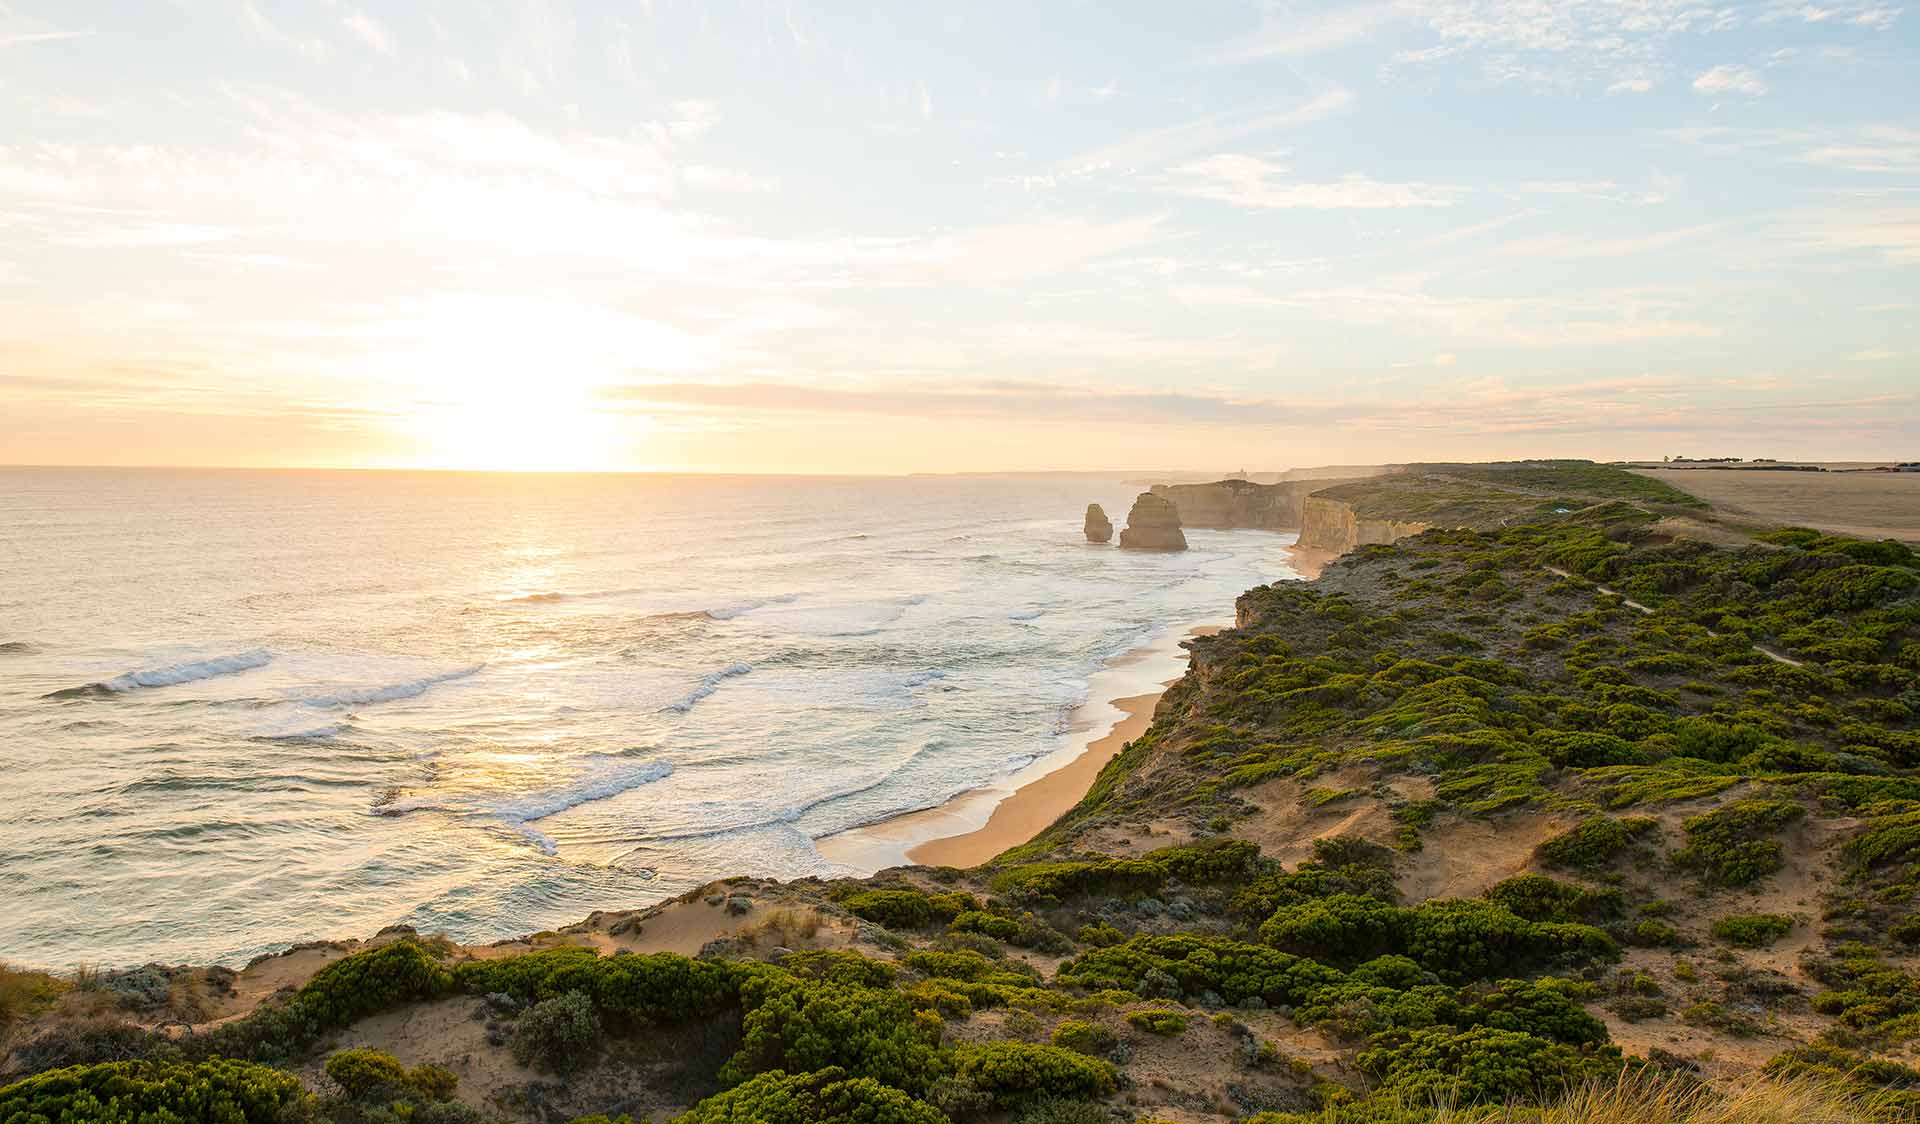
column 1233, row 504
column 1331, row 525
column 1153, row 524
column 1098, row 528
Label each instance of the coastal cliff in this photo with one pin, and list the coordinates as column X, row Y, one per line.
column 1239, row 504
column 1332, row 526
column 1097, row 527
column 1153, row 524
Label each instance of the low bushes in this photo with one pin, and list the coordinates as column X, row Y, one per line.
column 825, row 1096
column 343, row 992
column 557, row 1034
column 1728, row 846
column 1485, row 1063
column 909, row 909
column 800, row 1026
column 656, row 988
column 1218, row 860
column 1013, row 1074
column 371, row 1074
column 1158, row 1020
column 369, row 982
column 1083, row 1037
column 1456, row 937
column 1752, row 930
column 220, row 1091
column 1234, row 970
column 1593, row 843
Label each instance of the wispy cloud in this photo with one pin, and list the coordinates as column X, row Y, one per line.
column 1248, row 181
column 21, row 39
column 1875, row 148
column 1514, row 321
column 1291, row 36
column 1158, row 146
column 1577, row 246
column 1730, row 78
column 370, row 31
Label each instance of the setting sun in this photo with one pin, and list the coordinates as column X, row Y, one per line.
column 511, row 384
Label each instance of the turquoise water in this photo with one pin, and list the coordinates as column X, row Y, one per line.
column 243, row 709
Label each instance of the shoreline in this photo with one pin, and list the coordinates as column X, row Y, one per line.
column 971, row 827
column 1309, row 561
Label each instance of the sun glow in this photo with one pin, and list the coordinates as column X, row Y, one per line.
column 517, row 385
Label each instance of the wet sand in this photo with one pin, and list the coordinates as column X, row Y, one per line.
column 1033, row 806
column 976, row 825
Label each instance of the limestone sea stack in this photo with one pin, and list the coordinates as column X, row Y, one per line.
column 1099, row 528
column 1153, row 524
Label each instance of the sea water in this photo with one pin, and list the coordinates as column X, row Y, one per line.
column 243, row 709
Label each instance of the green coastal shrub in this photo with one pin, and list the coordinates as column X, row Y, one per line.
column 366, row 983
column 1593, row 843
column 1342, row 928
column 987, row 924
column 657, row 988
column 1062, row 1110
column 1158, row 1020
column 219, row 1091
column 1013, row 1074
column 1084, row 1037
column 371, row 1074
column 1234, row 970
column 1729, row 846
column 909, row 909
column 345, row 991
column 1752, row 930
column 825, row 1096
column 800, row 1027
column 1458, row 938
column 1209, row 862
column 1439, row 1065
column 558, row 1034
column 1539, row 898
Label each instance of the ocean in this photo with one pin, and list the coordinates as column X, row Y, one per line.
column 242, row 709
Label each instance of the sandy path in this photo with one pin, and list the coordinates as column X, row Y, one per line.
column 1631, row 604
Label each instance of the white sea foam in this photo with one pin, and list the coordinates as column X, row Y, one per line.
column 607, row 776
column 296, row 728
column 708, row 685
column 172, row 675
column 387, row 692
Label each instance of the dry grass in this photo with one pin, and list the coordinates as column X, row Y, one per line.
column 1873, row 505
column 24, row 993
column 782, row 927
column 1649, row 1098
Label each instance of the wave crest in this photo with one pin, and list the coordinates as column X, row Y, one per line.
column 170, row 675
column 708, row 685
column 388, row 692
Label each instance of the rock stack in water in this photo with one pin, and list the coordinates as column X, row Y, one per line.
column 1153, row 524
column 1099, row 528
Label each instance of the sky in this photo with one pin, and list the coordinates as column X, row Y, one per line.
column 886, row 237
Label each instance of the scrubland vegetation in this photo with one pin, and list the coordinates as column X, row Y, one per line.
column 1717, row 808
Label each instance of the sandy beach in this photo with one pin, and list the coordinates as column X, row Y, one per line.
column 1308, row 562
column 978, row 824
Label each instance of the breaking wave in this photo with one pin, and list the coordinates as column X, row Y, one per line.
column 170, row 675
column 708, row 685
column 388, row 692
